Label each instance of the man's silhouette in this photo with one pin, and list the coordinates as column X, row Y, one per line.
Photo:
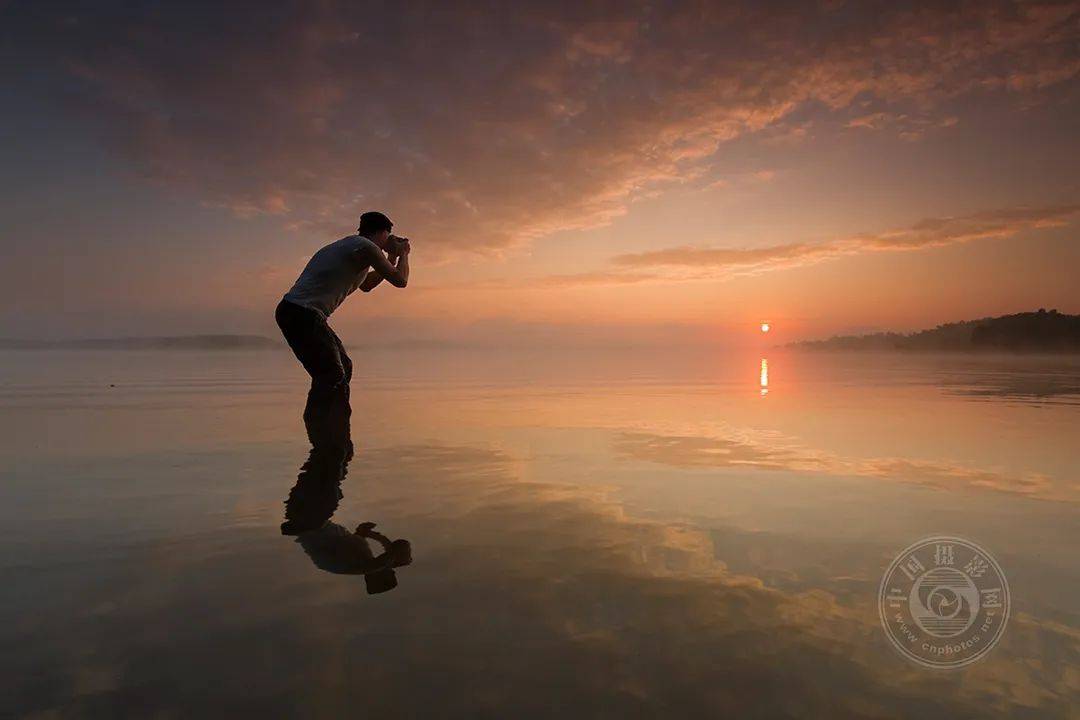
column 333, row 273
column 314, row 498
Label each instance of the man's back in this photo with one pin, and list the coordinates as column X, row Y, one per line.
column 331, row 275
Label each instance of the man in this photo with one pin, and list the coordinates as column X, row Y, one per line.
column 333, row 273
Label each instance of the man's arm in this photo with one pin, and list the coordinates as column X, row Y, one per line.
column 397, row 275
column 371, row 280
column 367, row 530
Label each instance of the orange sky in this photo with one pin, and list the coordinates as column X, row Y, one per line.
column 645, row 172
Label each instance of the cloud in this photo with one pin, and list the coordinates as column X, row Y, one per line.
column 907, row 127
column 514, row 124
column 742, row 452
column 694, row 263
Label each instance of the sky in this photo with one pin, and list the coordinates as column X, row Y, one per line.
column 654, row 172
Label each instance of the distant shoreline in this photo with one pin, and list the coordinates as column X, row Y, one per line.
column 1043, row 332
column 167, row 342
column 954, row 352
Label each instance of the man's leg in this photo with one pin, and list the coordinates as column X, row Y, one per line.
column 346, row 361
column 316, row 347
column 341, row 407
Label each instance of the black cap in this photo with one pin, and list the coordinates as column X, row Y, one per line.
column 373, row 222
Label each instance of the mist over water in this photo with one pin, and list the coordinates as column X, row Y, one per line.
column 680, row 532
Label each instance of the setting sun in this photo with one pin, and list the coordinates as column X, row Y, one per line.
column 764, row 327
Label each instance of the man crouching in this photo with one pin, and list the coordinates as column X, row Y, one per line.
column 359, row 261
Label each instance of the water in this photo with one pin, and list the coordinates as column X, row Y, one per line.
column 592, row 534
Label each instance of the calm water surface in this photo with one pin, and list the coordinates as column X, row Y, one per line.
column 600, row 535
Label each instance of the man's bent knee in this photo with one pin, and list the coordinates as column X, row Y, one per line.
column 330, row 379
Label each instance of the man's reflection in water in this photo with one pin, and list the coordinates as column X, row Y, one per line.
column 314, row 498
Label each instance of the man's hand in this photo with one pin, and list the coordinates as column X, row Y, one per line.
column 398, row 246
column 394, row 269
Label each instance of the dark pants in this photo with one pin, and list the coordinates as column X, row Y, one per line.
column 318, row 349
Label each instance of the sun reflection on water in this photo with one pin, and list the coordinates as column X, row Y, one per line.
column 764, row 377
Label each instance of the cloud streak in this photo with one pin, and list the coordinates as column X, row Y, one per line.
column 516, row 125
column 742, row 453
column 697, row 263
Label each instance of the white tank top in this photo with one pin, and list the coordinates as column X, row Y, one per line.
column 331, row 275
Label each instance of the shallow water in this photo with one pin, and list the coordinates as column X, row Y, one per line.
column 598, row 534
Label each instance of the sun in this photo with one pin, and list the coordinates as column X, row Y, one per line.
column 764, row 327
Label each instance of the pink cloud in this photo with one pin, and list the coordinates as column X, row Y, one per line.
column 696, row 263
column 518, row 124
